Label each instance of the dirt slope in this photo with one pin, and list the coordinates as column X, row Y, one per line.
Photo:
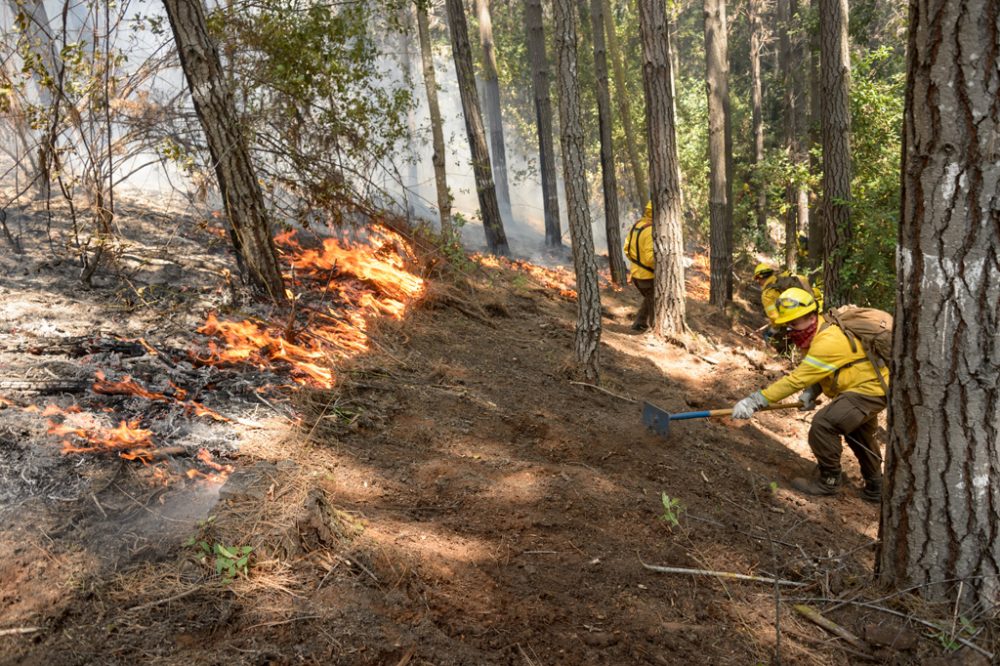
column 456, row 499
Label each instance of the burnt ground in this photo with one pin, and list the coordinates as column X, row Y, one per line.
column 457, row 498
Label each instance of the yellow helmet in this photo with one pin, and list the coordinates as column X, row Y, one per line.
column 763, row 270
column 649, row 209
column 794, row 303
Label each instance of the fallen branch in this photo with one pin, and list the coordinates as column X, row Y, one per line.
column 604, row 390
column 17, row 631
column 814, row 616
column 721, row 574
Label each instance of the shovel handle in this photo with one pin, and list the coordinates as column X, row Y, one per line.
column 727, row 412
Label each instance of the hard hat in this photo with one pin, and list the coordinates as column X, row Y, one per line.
column 649, row 209
column 763, row 270
column 794, row 303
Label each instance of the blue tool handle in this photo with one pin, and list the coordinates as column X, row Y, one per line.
column 690, row 415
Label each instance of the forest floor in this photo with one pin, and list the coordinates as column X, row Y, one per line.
column 457, row 497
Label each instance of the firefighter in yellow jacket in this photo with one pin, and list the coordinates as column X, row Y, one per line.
column 639, row 250
column 848, row 378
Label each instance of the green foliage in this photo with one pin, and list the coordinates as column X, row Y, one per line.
column 228, row 561
column 876, row 123
column 672, row 509
column 315, row 93
column 948, row 636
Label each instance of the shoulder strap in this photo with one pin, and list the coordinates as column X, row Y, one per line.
column 636, row 233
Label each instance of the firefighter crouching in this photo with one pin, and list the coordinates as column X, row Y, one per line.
column 847, row 377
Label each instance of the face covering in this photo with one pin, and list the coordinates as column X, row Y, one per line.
column 803, row 337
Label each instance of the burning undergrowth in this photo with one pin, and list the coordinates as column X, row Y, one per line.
column 559, row 279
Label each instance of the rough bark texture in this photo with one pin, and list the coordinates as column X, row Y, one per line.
column 543, row 119
column 816, row 242
column 588, row 322
column 248, row 221
column 800, row 116
column 720, row 189
column 788, row 65
column 668, row 243
column 625, row 107
column 437, row 131
column 835, row 66
column 496, row 239
column 755, row 9
column 941, row 512
column 619, row 272
column 494, row 117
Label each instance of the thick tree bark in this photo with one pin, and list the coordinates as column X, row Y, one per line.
column 496, row 239
column 625, row 107
column 437, row 127
column 940, row 520
column 612, row 226
column 800, row 116
column 244, row 202
column 720, row 188
column 755, row 10
column 816, row 229
column 668, row 242
column 494, row 118
column 588, row 322
column 543, row 119
column 835, row 67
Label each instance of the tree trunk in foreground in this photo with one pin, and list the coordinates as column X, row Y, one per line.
column 244, row 202
column 940, row 519
column 588, row 322
column 535, row 34
column 668, row 242
column 496, row 239
column 494, row 117
column 835, row 72
column 437, row 127
column 612, row 226
column 720, row 188
column 625, row 107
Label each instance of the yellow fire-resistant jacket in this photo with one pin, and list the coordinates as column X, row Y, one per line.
column 639, row 248
column 830, row 362
column 769, row 294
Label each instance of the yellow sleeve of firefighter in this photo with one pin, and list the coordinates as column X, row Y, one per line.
column 829, row 351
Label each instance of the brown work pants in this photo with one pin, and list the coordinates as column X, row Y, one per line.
column 644, row 317
column 855, row 418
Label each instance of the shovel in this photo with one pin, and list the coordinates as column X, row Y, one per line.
column 658, row 420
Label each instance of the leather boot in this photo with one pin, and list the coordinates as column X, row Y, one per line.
column 823, row 483
column 872, row 492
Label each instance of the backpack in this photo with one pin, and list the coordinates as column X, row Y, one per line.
column 637, row 232
column 873, row 328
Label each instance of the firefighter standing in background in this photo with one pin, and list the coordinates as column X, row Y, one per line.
column 772, row 284
column 639, row 250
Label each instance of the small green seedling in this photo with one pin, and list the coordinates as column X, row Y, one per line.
column 672, row 509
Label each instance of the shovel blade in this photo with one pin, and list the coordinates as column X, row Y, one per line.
column 656, row 419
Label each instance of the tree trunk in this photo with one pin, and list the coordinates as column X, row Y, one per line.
column 788, row 64
column 668, row 242
column 494, row 118
column 543, row 119
column 800, row 151
column 405, row 54
column 940, row 524
column 588, row 322
column 244, row 202
column 717, row 86
column 835, row 70
column 437, row 127
column 755, row 9
column 619, row 272
column 816, row 229
column 625, row 107
column 496, row 239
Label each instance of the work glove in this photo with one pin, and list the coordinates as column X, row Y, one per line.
column 808, row 397
column 745, row 408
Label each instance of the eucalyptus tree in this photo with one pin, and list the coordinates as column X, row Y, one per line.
column 588, row 322
column 940, row 530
